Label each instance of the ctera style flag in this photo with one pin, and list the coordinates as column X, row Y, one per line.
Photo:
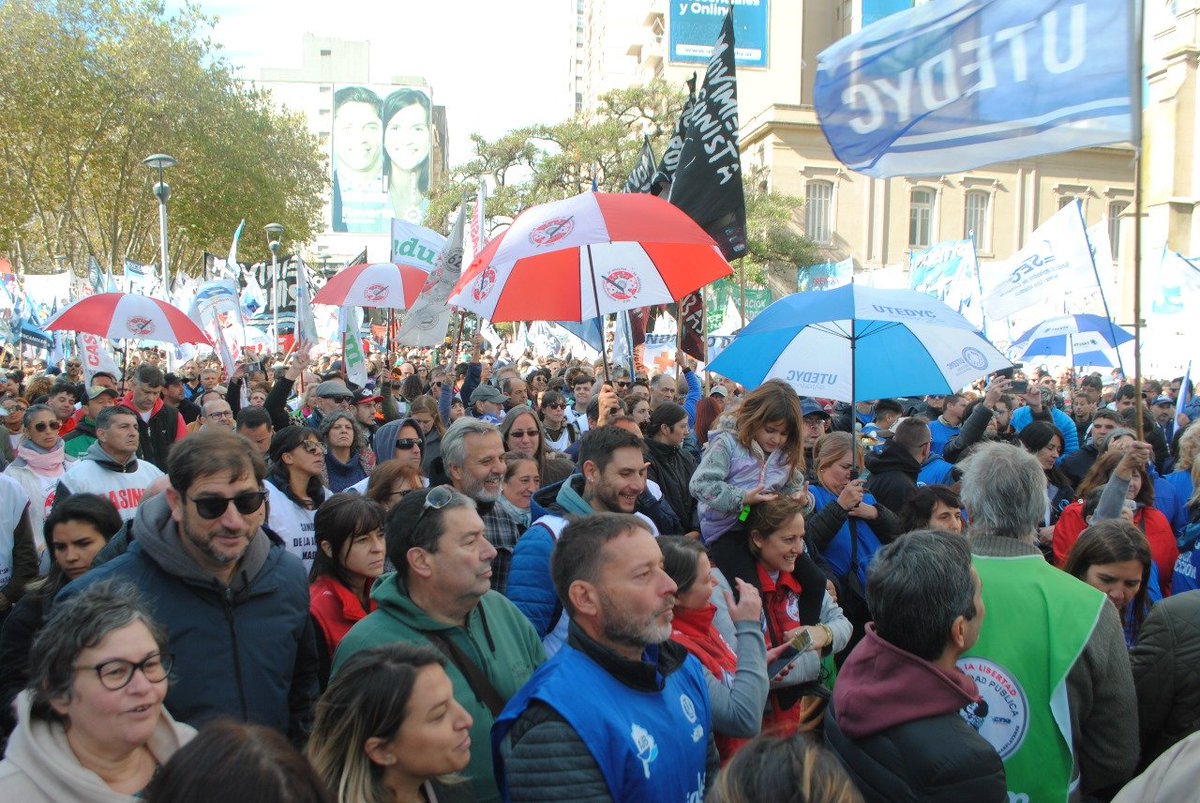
column 952, row 85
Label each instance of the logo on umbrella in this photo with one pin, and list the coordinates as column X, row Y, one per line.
column 484, row 284
column 552, row 231
column 376, row 292
column 622, row 285
column 140, row 325
column 975, row 358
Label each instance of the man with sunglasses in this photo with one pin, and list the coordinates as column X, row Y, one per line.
column 332, row 396
column 110, row 467
column 234, row 602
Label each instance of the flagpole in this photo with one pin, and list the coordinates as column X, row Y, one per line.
column 1112, row 327
column 596, row 298
column 742, row 289
column 1136, row 115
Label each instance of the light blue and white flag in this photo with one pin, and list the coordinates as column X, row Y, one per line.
column 306, row 326
column 825, row 276
column 415, row 245
column 951, row 85
column 949, row 271
column 1057, row 259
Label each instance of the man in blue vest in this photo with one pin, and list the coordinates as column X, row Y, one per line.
column 621, row 712
column 1057, row 696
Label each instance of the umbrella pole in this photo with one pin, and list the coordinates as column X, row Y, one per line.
column 1137, row 292
column 854, row 446
column 596, row 299
column 742, row 290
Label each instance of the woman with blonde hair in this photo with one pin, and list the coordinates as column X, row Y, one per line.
column 794, row 768
column 388, row 728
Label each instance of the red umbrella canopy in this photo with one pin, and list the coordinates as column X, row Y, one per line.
column 391, row 285
column 592, row 254
column 120, row 316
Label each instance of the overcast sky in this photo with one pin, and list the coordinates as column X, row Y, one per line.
column 493, row 65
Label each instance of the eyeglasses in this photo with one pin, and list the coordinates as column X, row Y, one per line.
column 621, row 383
column 404, row 444
column 223, row 414
column 116, row 674
column 529, row 433
column 436, row 499
column 313, row 447
column 555, row 406
column 42, row 426
column 214, row 507
column 73, row 365
column 341, row 399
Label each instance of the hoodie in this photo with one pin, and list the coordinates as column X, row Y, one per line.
column 894, row 721
column 894, row 474
column 39, row 766
column 254, row 634
column 98, row 473
column 156, row 435
column 495, row 637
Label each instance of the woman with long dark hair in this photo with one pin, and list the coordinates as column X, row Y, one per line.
column 348, row 455
column 1045, row 442
column 672, row 466
column 349, row 559
column 295, row 490
column 1113, row 556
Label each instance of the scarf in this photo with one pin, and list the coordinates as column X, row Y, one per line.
column 44, row 463
column 522, row 517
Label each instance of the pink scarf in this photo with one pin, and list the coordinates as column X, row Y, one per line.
column 44, row 464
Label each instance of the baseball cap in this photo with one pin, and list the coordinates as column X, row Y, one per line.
column 365, row 396
column 812, row 407
column 487, row 393
column 333, row 389
column 719, row 390
column 96, row 391
column 1162, row 400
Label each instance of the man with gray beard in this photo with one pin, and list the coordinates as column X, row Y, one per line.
column 642, row 730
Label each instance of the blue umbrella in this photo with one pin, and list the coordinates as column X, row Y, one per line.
column 1082, row 338
column 859, row 342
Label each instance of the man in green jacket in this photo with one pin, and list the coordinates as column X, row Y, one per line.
column 440, row 596
column 1057, row 696
column 81, row 438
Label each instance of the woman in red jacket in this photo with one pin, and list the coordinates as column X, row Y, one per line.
column 350, row 558
column 1127, row 464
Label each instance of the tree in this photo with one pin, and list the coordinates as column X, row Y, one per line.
column 91, row 88
column 537, row 164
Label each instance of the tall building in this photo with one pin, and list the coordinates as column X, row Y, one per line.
column 875, row 222
column 384, row 138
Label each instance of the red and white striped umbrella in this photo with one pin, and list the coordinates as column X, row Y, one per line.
column 588, row 255
column 392, row 285
column 120, row 316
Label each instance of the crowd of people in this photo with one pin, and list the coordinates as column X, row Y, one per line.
column 511, row 577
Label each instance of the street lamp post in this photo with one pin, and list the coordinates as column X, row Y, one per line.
column 162, row 191
column 274, row 235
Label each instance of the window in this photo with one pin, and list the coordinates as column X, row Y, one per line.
column 1115, row 210
column 920, row 221
column 818, row 211
column 976, row 217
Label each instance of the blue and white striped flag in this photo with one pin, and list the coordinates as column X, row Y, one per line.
column 952, row 85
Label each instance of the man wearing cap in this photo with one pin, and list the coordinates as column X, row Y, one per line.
column 487, row 404
column 364, row 409
column 332, row 396
column 815, row 420
column 173, row 394
column 1163, row 410
column 719, row 395
column 79, row 439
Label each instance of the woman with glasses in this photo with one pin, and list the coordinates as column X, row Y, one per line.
column 91, row 724
column 424, row 411
column 348, row 456
column 391, row 480
column 560, row 432
column 521, row 432
column 75, row 532
column 14, row 422
column 295, row 490
column 40, row 462
column 350, row 558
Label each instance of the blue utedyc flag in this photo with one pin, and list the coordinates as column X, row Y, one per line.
column 956, row 84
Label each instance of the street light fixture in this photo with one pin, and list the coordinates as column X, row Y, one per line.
column 162, row 191
column 274, row 235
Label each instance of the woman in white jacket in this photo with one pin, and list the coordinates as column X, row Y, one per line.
column 91, row 724
column 40, row 462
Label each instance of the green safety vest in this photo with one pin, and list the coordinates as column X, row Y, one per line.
column 1038, row 620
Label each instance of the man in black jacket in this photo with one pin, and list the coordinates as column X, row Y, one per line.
column 894, row 470
column 894, row 719
column 643, row 729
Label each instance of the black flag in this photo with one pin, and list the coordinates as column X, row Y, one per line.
column 661, row 182
column 708, row 178
column 643, row 172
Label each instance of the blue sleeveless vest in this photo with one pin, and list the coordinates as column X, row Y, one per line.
column 648, row 746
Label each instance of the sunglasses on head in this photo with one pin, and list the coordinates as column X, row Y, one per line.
column 436, row 499
column 214, row 507
column 404, row 444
